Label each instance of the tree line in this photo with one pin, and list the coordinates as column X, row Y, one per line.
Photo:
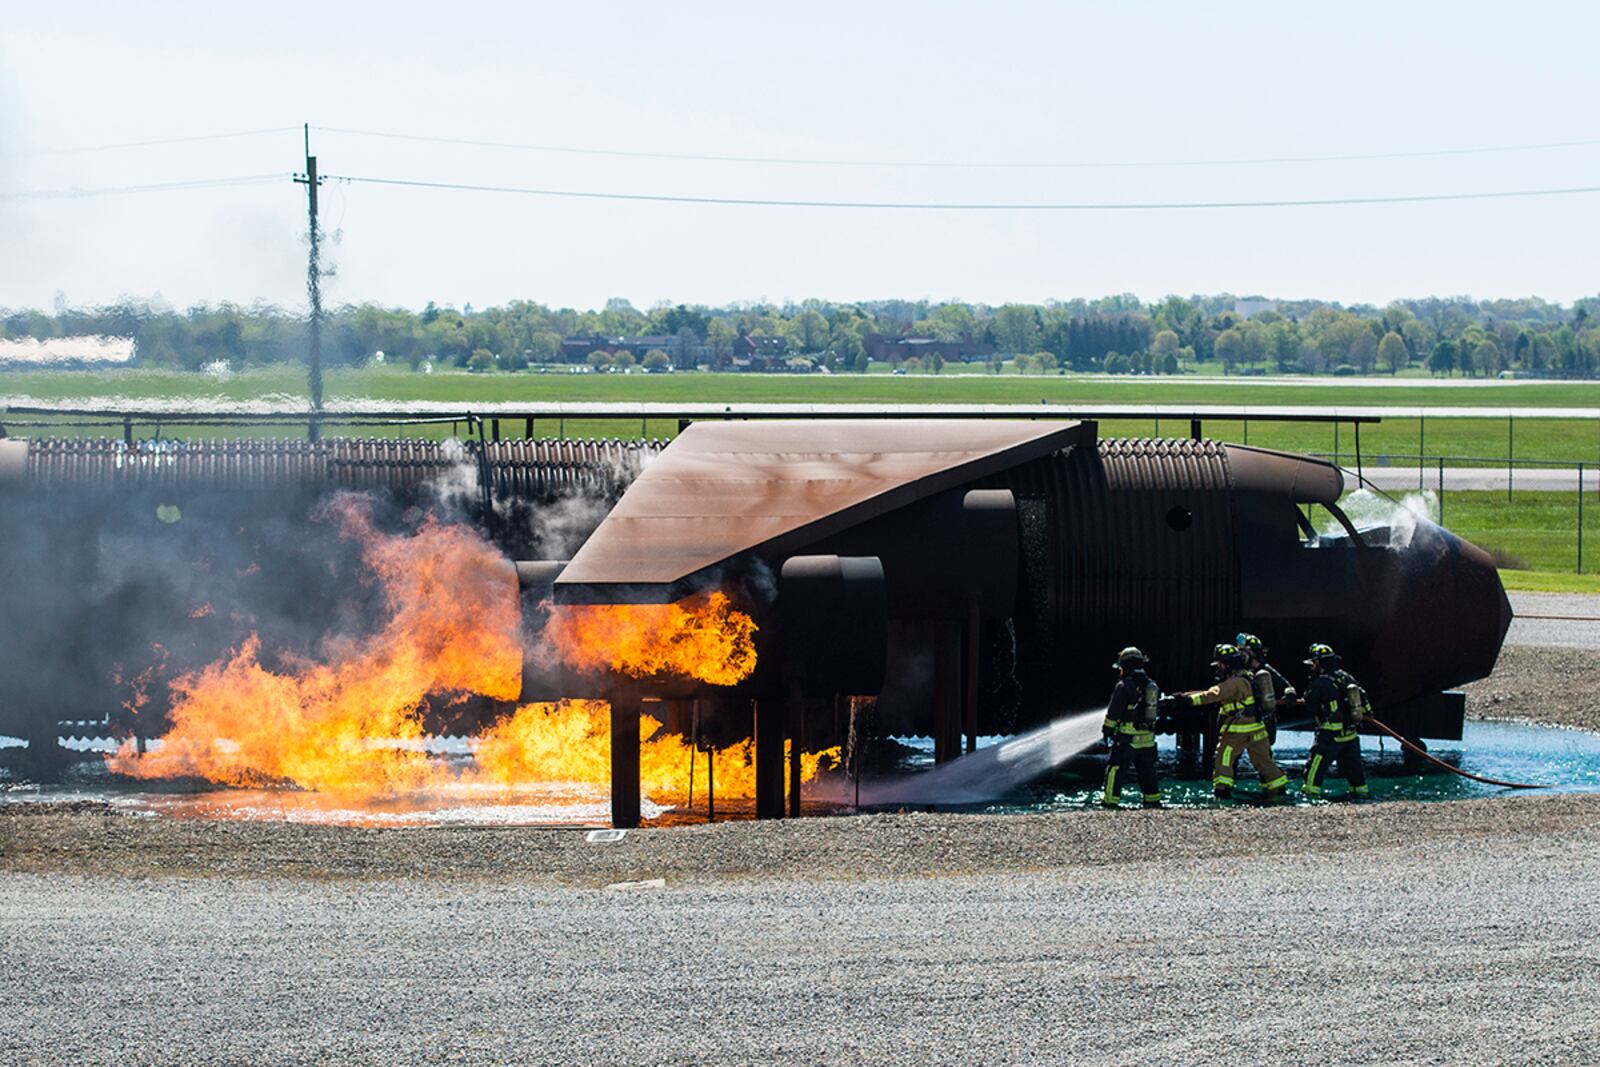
column 1117, row 334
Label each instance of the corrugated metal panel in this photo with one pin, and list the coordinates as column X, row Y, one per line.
column 516, row 468
column 1109, row 561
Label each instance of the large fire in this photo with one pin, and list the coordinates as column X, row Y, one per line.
column 350, row 722
column 571, row 742
column 702, row 637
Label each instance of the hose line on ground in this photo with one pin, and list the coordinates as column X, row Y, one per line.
column 1418, row 750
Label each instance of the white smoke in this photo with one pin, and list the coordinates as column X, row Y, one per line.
column 1414, row 513
column 560, row 527
column 457, row 486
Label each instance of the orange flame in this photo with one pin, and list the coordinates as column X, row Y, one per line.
column 571, row 742
column 452, row 628
column 702, row 637
column 352, row 723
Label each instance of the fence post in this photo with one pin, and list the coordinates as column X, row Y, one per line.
column 1580, row 518
column 1511, row 452
column 1422, row 444
column 1441, row 490
column 1361, row 476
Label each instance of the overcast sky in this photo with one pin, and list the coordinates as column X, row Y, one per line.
column 908, row 82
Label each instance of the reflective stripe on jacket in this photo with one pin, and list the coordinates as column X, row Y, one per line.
column 1234, row 696
column 1330, row 705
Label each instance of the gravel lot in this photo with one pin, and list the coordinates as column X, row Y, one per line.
column 1435, row 953
column 1560, row 686
column 1398, row 932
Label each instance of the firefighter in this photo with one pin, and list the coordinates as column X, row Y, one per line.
column 1239, row 729
column 1338, row 704
column 1129, row 729
column 1272, row 689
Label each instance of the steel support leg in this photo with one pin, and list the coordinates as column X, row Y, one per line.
column 625, row 763
column 1189, row 749
column 969, row 689
column 769, row 759
column 797, row 729
column 947, row 698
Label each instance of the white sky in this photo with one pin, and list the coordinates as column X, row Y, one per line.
column 898, row 81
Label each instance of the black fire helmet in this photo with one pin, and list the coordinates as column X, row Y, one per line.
column 1252, row 645
column 1130, row 659
column 1228, row 655
column 1320, row 655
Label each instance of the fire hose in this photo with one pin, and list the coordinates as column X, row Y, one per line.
column 1418, row 750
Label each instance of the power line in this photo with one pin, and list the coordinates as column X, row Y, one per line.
column 154, row 187
column 1197, row 205
column 166, row 141
column 958, row 165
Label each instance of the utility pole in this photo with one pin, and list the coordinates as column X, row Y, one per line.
column 313, row 282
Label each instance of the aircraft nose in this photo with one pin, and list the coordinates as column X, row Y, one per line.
column 1448, row 615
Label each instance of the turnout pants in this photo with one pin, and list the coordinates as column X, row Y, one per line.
column 1246, row 737
column 1131, row 759
column 1345, row 748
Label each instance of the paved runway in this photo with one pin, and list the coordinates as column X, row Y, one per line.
column 1404, row 479
column 293, row 407
column 1570, row 629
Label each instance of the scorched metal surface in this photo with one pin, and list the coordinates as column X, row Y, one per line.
column 723, row 489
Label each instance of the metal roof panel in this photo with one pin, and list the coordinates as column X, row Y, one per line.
column 721, row 489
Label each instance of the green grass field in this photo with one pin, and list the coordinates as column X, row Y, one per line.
column 1534, row 531
column 1537, row 529
column 1486, row 439
column 397, row 383
column 1548, row 582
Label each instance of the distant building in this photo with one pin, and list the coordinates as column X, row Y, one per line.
column 1247, row 308
column 761, row 354
column 577, row 349
column 886, row 349
column 66, row 351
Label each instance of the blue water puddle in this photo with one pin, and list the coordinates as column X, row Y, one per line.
column 1566, row 760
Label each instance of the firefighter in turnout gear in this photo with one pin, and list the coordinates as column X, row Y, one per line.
column 1239, row 727
column 1338, row 704
column 1129, row 729
column 1271, row 687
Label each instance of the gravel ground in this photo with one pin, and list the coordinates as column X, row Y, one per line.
column 50, row 840
column 1445, row 952
column 1559, row 686
column 1396, row 932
